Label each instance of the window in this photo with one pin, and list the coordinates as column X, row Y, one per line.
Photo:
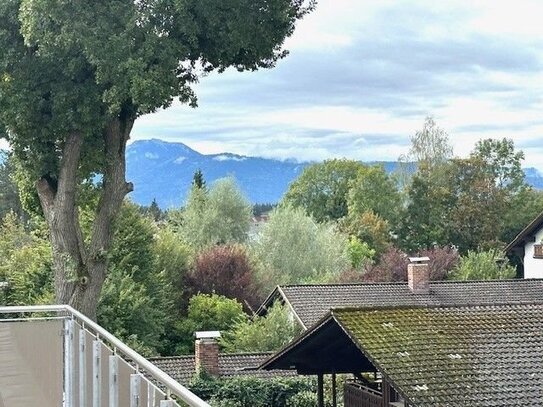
column 538, row 251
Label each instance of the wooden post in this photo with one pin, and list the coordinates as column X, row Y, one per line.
column 320, row 390
column 386, row 393
column 334, row 391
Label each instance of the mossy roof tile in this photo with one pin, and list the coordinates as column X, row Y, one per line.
column 455, row 356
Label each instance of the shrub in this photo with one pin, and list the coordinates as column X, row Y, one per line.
column 392, row 265
column 261, row 334
column 206, row 313
column 486, row 265
column 292, row 248
column 224, row 270
column 249, row 391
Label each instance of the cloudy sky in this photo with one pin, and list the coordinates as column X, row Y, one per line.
column 362, row 76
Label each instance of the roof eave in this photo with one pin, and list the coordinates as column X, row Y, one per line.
column 518, row 241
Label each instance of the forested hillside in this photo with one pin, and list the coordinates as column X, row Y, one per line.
column 163, row 171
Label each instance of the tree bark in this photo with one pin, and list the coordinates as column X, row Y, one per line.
column 80, row 270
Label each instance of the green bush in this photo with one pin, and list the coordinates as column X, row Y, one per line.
column 486, row 265
column 261, row 334
column 248, row 391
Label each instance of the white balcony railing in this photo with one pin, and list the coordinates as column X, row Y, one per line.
column 98, row 370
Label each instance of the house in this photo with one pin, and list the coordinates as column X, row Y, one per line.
column 208, row 358
column 420, row 343
column 527, row 246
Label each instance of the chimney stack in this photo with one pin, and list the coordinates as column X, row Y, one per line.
column 418, row 275
column 206, row 356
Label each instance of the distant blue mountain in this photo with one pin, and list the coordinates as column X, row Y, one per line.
column 534, row 177
column 164, row 171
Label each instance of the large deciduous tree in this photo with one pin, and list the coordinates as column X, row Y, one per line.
column 323, row 188
column 74, row 76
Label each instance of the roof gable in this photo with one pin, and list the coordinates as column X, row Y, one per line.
column 528, row 232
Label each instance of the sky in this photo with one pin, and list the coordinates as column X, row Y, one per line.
column 361, row 77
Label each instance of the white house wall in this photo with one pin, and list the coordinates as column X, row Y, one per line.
column 533, row 268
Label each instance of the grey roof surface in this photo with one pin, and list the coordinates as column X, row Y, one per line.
column 182, row 368
column 310, row 303
column 487, row 356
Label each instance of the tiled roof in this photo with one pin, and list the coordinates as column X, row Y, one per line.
column 182, row 368
column 455, row 356
column 310, row 303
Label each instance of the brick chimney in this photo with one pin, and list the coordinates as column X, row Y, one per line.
column 206, row 355
column 418, row 275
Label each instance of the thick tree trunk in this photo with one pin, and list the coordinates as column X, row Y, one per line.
column 80, row 270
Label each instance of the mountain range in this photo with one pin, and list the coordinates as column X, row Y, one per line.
column 163, row 171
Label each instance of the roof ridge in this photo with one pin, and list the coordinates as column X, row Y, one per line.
column 432, row 282
column 189, row 356
column 246, row 354
column 436, row 306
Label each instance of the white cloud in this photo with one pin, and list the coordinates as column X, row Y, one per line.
column 362, row 75
column 225, row 157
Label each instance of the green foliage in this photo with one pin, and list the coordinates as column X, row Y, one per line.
column 206, row 313
column 292, row 248
column 9, row 195
column 360, row 253
column 521, row 209
column 220, row 216
column 74, row 76
column 479, row 202
column 261, row 334
column 373, row 190
column 424, row 221
column 485, row 265
column 26, row 263
column 501, row 162
column 248, row 391
column 214, row 312
column 120, row 59
column 431, row 145
column 303, row 399
column 322, row 189
column 263, row 208
column 153, row 211
column 172, row 258
column 198, row 180
column 370, row 229
column 136, row 302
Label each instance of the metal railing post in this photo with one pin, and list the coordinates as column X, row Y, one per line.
column 113, row 381
column 96, row 373
column 82, row 367
column 135, row 389
column 69, row 365
column 150, row 395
